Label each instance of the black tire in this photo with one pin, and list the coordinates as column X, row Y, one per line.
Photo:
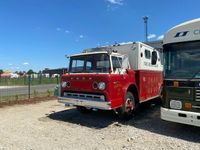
column 83, row 110
column 126, row 111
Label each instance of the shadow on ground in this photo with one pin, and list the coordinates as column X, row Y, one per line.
column 148, row 119
column 94, row 119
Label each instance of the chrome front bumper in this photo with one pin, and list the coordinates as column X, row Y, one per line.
column 179, row 116
column 86, row 103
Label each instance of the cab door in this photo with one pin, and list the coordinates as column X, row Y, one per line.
column 119, row 78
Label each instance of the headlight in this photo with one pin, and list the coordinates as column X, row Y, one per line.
column 175, row 104
column 101, row 85
column 64, row 84
column 68, row 84
column 95, row 85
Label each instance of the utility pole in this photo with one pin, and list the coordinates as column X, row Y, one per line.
column 145, row 18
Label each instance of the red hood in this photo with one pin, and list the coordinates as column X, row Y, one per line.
column 84, row 82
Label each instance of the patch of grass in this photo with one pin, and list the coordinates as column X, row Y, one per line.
column 35, row 93
column 19, row 97
column 49, row 93
column 24, row 81
column 16, row 97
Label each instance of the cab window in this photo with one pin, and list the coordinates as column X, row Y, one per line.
column 147, row 54
column 117, row 62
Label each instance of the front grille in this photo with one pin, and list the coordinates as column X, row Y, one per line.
column 84, row 96
column 198, row 94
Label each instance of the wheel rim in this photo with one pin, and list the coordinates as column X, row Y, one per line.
column 129, row 106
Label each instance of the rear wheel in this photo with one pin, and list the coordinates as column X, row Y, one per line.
column 126, row 111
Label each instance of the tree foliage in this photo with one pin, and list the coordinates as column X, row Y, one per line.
column 29, row 72
column 1, row 71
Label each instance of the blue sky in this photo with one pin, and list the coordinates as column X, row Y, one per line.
column 37, row 34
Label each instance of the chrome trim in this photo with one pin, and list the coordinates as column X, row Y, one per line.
column 86, row 103
column 197, row 107
column 191, row 118
column 197, row 94
column 91, row 97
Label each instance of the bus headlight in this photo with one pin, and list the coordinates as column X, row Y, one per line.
column 101, row 85
column 175, row 104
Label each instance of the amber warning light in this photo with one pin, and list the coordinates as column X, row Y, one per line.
column 176, row 84
column 188, row 106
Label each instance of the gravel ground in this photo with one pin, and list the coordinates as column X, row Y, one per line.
column 50, row 125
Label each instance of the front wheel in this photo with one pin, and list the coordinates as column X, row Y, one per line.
column 126, row 111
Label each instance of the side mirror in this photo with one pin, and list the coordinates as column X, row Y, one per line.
column 154, row 58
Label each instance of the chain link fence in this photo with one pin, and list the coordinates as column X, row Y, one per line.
column 28, row 87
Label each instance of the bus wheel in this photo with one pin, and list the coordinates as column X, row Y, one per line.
column 83, row 110
column 126, row 111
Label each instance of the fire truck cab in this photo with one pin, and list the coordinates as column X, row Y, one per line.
column 116, row 77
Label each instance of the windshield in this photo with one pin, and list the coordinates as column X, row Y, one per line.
column 182, row 60
column 93, row 63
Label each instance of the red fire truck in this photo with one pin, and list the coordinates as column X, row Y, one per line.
column 116, row 77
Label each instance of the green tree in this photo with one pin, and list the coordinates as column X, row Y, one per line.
column 29, row 72
column 21, row 73
column 1, row 72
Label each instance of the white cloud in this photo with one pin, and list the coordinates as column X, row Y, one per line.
column 10, row 64
column 115, row 2
column 160, row 37
column 26, row 64
column 58, row 29
column 81, row 36
column 66, row 31
column 151, row 36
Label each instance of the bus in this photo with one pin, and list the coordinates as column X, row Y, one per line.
column 181, row 87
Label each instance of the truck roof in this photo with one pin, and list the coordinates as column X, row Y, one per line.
column 96, row 52
column 117, row 49
column 114, row 47
column 88, row 53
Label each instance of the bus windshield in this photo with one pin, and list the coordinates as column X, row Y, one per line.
column 91, row 63
column 182, row 60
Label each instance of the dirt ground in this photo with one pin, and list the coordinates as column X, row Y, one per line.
column 51, row 126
